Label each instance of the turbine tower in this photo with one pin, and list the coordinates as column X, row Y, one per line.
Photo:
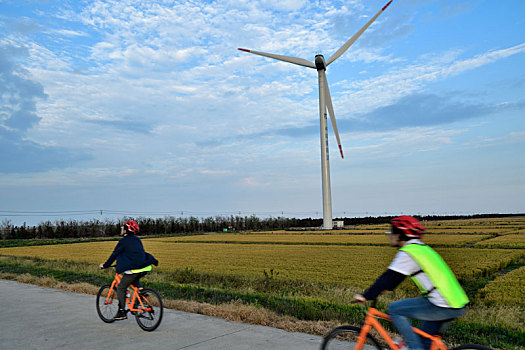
column 325, row 102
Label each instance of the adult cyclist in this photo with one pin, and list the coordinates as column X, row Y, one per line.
column 443, row 298
column 132, row 262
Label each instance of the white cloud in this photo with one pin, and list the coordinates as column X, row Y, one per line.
column 363, row 95
column 404, row 142
column 515, row 137
column 285, row 5
column 511, row 138
column 67, row 32
column 481, row 60
column 249, row 181
column 216, row 172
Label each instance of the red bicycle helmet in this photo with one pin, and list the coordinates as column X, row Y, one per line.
column 408, row 226
column 131, row 226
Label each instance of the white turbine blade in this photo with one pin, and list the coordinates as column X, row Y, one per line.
column 332, row 115
column 294, row 60
column 345, row 47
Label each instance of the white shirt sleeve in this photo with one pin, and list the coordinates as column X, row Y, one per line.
column 404, row 264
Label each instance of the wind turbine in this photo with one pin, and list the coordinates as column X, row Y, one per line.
column 325, row 101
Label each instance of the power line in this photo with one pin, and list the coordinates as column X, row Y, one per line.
column 48, row 213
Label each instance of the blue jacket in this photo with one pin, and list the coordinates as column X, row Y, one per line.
column 130, row 255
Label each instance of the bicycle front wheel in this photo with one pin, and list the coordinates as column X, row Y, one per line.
column 149, row 318
column 345, row 337
column 107, row 307
column 472, row 347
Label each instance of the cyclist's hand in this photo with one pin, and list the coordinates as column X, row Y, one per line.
column 101, row 266
column 358, row 298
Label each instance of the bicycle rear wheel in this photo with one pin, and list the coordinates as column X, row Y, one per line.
column 151, row 315
column 107, row 310
column 345, row 337
column 472, row 347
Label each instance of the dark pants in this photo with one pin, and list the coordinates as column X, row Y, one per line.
column 125, row 281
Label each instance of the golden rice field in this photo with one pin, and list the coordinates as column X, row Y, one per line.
column 477, row 226
column 352, row 257
column 334, row 239
column 506, row 241
column 508, row 289
column 351, row 265
column 466, row 226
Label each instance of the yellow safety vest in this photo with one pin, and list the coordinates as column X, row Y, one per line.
column 439, row 274
column 144, row 269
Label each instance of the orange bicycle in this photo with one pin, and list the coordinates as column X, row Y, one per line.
column 357, row 338
column 145, row 304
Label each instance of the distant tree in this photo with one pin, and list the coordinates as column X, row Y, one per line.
column 5, row 228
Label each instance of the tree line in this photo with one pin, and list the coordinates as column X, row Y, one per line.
column 189, row 225
column 149, row 226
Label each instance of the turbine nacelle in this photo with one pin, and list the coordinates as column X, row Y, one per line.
column 320, row 63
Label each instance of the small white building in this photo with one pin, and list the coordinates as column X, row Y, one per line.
column 338, row 224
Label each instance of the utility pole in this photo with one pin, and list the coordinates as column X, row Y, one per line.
column 102, row 230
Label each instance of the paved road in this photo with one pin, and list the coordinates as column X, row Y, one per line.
column 33, row 317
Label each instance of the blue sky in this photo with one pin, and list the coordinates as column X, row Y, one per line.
column 148, row 108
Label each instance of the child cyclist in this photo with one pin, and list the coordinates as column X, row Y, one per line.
column 443, row 298
column 132, row 263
